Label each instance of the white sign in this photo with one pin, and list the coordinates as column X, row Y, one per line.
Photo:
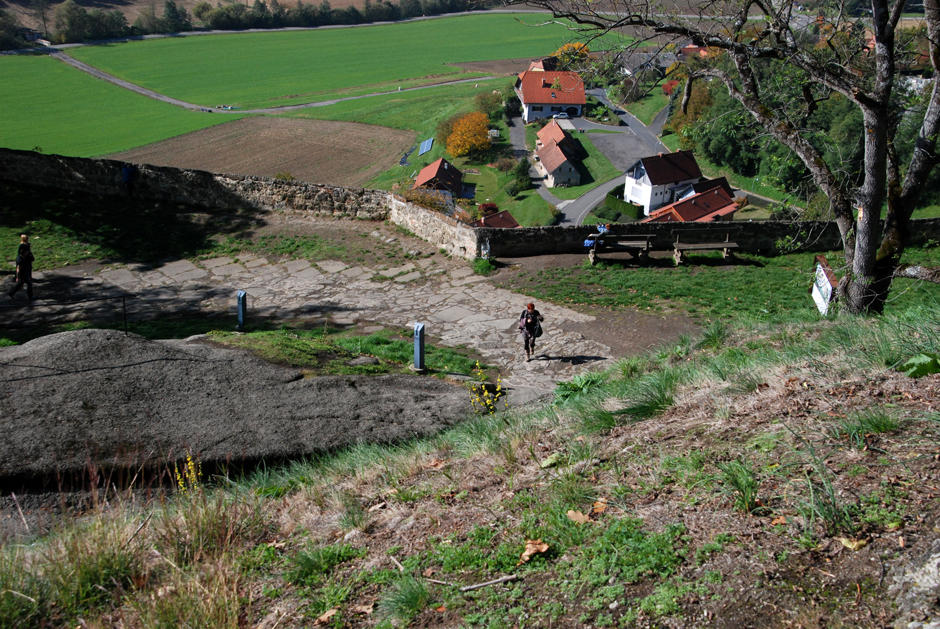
column 822, row 290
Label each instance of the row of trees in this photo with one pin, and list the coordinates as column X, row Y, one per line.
column 73, row 23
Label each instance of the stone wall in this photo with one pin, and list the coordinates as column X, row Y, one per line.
column 196, row 187
column 447, row 234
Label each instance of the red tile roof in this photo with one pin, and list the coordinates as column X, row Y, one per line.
column 501, row 219
column 551, row 156
column 536, row 87
column 552, row 132
column 547, row 64
column 440, row 174
column 667, row 168
column 704, row 207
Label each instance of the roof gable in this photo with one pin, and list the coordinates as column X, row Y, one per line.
column 500, row 219
column 552, row 157
column 539, row 87
column 440, row 172
column 701, row 208
column 668, row 168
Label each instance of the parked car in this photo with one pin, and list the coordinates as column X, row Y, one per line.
column 561, row 116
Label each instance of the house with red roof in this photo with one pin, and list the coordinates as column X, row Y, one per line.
column 705, row 207
column 548, row 64
column 440, row 175
column 499, row 219
column 653, row 182
column 545, row 93
column 556, row 156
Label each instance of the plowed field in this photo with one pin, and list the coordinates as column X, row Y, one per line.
column 320, row 151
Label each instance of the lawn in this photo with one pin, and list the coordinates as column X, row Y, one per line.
column 752, row 286
column 595, row 170
column 284, row 68
column 47, row 104
column 647, row 107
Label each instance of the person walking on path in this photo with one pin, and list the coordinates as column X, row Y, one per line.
column 24, row 268
column 530, row 327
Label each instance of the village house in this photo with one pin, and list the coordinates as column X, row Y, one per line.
column 499, row 219
column 704, row 207
column 635, row 62
column 544, row 94
column 548, row 64
column 440, row 175
column 653, row 182
column 556, row 155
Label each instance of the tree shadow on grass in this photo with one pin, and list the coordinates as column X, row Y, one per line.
column 66, row 227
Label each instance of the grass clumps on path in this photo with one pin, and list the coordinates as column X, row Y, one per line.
column 754, row 504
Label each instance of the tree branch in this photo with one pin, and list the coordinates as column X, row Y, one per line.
column 917, row 272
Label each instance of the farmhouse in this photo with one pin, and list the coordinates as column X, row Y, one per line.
column 545, row 93
column 704, row 207
column 653, row 182
column 440, row 175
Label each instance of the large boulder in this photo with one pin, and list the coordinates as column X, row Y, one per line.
column 98, row 396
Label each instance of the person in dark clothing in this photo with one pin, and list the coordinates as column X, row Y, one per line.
column 24, row 268
column 530, row 328
column 129, row 173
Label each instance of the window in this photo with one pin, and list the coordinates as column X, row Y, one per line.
column 556, row 108
column 536, row 108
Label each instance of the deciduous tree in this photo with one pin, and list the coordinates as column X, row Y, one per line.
column 780, row 66
column 470, row 134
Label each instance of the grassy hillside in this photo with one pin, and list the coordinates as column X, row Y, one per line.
column 274, row 69
column 763, row 473
column 48, row 104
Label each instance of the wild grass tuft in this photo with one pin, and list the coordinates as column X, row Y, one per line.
column 579, row 386
column 741, row 483
column 653, row 394
column 872, row 421
column 309, row 566
column 354, row 515
column 405, row 599
column 714, row 336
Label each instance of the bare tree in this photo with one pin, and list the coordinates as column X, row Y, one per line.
column 751, row 41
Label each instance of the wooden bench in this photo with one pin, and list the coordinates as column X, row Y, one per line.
column 637, row 245
column 703, row 240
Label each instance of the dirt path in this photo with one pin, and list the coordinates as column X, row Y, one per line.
column 84, row 67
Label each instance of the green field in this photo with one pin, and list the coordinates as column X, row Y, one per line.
column 283, row 68
column 48, row 104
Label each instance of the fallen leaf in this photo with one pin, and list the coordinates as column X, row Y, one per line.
column 440, row 609
column 325, row 618
column 435, row 464
column 532, row 546
column 393, row 491
column 429, row 572
column 363, row 609
column 577, row 516
column 779, row 520
column 551, row 461
column 853, row 544
column 381, row 505
column 276, row 544
column 901, row 542
column 600, row 506
column 581, row 438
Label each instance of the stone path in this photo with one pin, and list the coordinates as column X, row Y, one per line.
column 457, row 307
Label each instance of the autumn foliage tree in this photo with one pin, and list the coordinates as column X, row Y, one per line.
column 470, row 134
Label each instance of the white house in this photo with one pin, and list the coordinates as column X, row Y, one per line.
column 544, row 94
column 654, row 181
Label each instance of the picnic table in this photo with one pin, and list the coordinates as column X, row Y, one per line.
column 637, row 245
column 703, row 240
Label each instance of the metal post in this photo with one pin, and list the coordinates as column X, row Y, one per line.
column 242, row 301
column 419, row 347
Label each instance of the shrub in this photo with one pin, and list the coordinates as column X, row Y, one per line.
column 505, row 164
column 483, row 266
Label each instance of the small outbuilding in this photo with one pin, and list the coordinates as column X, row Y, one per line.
column 440, row 175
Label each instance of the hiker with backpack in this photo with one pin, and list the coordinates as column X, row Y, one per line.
column 530, row 327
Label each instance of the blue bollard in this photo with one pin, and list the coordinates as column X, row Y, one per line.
column 419, row 347
column 242, row 301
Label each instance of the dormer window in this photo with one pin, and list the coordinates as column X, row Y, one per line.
column 553, row 94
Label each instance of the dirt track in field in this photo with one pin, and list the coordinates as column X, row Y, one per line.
column 320, row 151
